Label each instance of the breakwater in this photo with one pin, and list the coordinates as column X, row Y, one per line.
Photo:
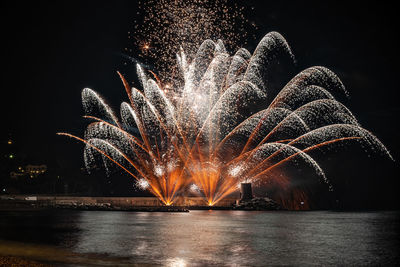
column 107, row 203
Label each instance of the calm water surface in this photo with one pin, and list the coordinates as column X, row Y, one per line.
column 197, row 238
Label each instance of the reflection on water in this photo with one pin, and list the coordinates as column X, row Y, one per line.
column 231, row 238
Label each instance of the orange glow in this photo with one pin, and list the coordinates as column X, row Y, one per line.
column 213, row 186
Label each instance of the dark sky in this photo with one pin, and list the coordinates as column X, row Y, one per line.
column 52, row 50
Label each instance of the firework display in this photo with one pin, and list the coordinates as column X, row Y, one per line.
column 221, row 125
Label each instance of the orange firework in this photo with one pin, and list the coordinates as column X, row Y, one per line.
column 215, row 129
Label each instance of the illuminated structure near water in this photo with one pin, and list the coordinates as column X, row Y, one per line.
column 220, row 124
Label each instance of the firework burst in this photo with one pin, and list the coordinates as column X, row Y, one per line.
column 223, row 125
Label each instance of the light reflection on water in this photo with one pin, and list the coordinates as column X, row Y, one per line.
column 230, row 238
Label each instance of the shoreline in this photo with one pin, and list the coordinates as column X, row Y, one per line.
column 11, row 205
column 20, row 262
column 151, row 204
column 139, row 204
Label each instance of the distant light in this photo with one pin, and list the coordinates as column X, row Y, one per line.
column 194, row 188
column 235, row 170
column 159, row 170
column 9, row 142
column 4, row 190
column 302, row 203
column 11, row 156
column 143, row 184
column 146, row 47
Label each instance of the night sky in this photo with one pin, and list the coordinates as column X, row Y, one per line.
column 52, row 50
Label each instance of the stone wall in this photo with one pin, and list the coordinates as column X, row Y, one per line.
column 121, row 201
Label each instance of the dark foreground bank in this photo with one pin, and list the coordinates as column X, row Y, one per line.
column 20, row 262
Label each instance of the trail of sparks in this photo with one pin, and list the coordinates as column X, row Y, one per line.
column 100, row 151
